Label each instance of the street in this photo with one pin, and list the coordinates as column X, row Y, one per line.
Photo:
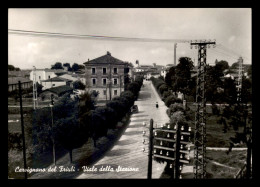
column 127, row 152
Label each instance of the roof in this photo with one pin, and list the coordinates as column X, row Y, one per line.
column 59, row 89
column 21, row 73
column 14, row 80
column 106, row 59
column 56, row 79
column 51, row 70
column 69, row 77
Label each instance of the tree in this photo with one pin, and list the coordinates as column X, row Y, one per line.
column 183, row 75
column 75, row 67
column 68, row 130
column 81, row 66
column 171, row 100
column 57, row 65
column 234, row 65
column 170, row 76
column 230, row 92
column 67, row 65
column 246, row 91
column 221, row 66
column 163, row 88
column 70, row 133
column 78, row 85
column 11, row 67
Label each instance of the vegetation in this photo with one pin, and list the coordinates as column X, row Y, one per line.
column 78, row 85
column 12, row 68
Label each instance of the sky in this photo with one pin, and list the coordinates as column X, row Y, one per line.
column 230, row 27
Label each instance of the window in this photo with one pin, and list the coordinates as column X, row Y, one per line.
column 93, row 81
column 93, row 71
column 115, row 70
column 105, row 92
column 49, row 77
column 39, row 77
column 53, row 84
column 115, row 81
column 104, row 71
column 104, row 81
column 115, row 92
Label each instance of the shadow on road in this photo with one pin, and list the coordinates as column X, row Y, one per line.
column 118, row 152
column 126, row 142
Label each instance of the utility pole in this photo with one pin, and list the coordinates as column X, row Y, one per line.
column 110, row 82
column 35, row 101
column 177, row 153
column 175, row 46
column 200, row 116
column 22, row 125
column 150, row 154
column 53, row 140
column 239, row 80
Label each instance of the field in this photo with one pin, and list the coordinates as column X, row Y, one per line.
column 222, row 165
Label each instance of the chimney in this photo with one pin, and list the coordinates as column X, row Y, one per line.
column 108, row 53
column 137, row 62
column 88, row 59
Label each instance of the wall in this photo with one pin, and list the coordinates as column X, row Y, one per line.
column 47, row 85
column 44, row 75
column 99, row 76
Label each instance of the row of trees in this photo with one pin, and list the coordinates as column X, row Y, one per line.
column 217, row 88
column 75, row 120
column 74, row 67
column 13, row 68
column 165, row 92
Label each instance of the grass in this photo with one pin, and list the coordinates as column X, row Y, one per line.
column 232, row 163
column 87, row 155
column 215, row 136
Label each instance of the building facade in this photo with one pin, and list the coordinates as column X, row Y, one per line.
column 14, row 85
column 55, row 82
column 105, row 75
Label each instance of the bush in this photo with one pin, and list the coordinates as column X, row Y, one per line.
column 163, row 88
column 166, row 94
column 15, row 141
column 174, row 108
column 171, row 100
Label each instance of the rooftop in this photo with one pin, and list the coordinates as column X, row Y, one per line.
column 14, row 80
column 56, row 79
column 106, row 59
column 59, row 89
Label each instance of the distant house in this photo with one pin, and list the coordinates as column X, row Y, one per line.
column 56, row 91
column 13, row 83
column 55, row 82
column 152, row 74
column 21, row 73
column 163, row 72
column 45, row 74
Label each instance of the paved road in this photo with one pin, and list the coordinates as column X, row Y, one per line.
column 127, row 152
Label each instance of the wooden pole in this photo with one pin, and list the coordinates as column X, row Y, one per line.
column 149, row 173
column 22, row 125
column 177, row 153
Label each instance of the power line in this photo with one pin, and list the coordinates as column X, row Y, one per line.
column 78, row 36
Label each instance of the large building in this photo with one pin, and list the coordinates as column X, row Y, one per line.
column 105, row 75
